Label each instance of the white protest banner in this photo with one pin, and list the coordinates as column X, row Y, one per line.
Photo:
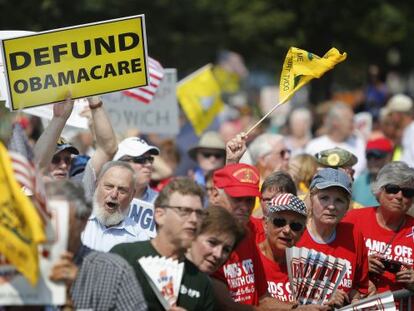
column 16, row 290
column 75, row 119
column 160, row 116
column 143, row 214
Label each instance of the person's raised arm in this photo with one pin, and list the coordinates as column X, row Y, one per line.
column 106, row 143
column 45, row 146
column 235, row 148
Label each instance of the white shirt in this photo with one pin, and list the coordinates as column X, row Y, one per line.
column 100, row 238
column 353, row 144
column 407, row 145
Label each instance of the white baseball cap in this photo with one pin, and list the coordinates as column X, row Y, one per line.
column 134, row 147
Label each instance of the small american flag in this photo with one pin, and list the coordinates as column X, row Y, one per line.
column 146, row 93
column 21, row 155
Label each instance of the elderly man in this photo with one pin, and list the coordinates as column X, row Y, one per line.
column 340, row 133
column 109, row 224
column 178, row 216
column 140, row 156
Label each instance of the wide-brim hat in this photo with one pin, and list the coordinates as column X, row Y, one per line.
column 209, row 140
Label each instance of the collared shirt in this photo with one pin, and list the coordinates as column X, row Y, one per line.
column 101, row 238
column 106, row 281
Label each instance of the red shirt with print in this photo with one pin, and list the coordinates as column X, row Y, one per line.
column 243, row 271
column 377, row 240
column 277, row 278
column 348, row 245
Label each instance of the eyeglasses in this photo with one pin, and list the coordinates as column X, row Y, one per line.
column 187, row 211
column 394, row 189
column 57, row 159
column 281, row 222
column 138, row 160
column 207, row 154
column 285, row 152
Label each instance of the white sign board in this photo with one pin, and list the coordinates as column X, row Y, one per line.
column 16, row 290
column 160, row 116
column 143, row 214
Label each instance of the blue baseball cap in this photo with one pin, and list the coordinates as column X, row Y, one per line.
column 330, row 177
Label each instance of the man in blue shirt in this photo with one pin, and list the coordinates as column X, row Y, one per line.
column 109, row 224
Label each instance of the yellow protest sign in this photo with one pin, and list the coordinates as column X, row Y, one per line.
column 86, row 60
column 200, row 97
column 301, row 66
column 21, row 229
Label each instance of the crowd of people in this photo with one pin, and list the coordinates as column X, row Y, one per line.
column 231, row 218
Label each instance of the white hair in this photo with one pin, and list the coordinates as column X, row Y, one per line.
column 263, row 145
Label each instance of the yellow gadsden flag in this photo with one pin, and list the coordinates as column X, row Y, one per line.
column 21, row 229
column 301, row 66
column 200, row 97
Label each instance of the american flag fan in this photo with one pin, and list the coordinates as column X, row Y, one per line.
column 146, row 93
column 21, row 155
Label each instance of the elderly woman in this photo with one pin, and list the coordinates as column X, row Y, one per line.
column 284, row 225
column 327, row 203
column 389, row 237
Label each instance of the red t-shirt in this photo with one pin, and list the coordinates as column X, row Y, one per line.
column 348, row 245
column 258, row 229
column 277, row 278
column 243, row 271
column 377, row 239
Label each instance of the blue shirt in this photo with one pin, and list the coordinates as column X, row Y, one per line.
column 149, row 195
column 101, row 238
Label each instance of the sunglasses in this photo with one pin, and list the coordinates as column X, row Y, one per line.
column 138, row 160
column 294, row 226
column 375, row 154
column 207, row 154
column 57, row 159
column 394, row 189
column 284, row 152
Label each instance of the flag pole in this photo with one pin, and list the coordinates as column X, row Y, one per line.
column 266, row 115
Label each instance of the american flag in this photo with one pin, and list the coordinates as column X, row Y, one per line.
column 21, row 155
column 146, row 93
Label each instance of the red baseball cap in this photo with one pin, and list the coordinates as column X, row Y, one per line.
column 381, row 144
column 238, row 180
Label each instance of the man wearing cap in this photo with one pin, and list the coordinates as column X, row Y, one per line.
column 378, row 153
column 236, row 187
column 209, row 153
column 400, row 108
column 340, row 133
column 54, row 159
column 140, row 155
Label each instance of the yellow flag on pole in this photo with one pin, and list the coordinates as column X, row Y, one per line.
column 21, row 229
column 301, row 66
column 200, row 98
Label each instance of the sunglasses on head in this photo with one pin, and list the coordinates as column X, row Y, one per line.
column 207, row 154
column 139, row 160
column 58, row 158
column 394, row 189
column 281, row 222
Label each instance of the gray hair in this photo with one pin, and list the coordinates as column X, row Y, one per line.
column 108, row 165
column 261, row 145
column 335, row 113
column 398, row 173
column 72, row 192
column 301, row 114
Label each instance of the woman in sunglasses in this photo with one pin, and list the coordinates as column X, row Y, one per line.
column 388, row 231
column 284, row 225
column 327, row 203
